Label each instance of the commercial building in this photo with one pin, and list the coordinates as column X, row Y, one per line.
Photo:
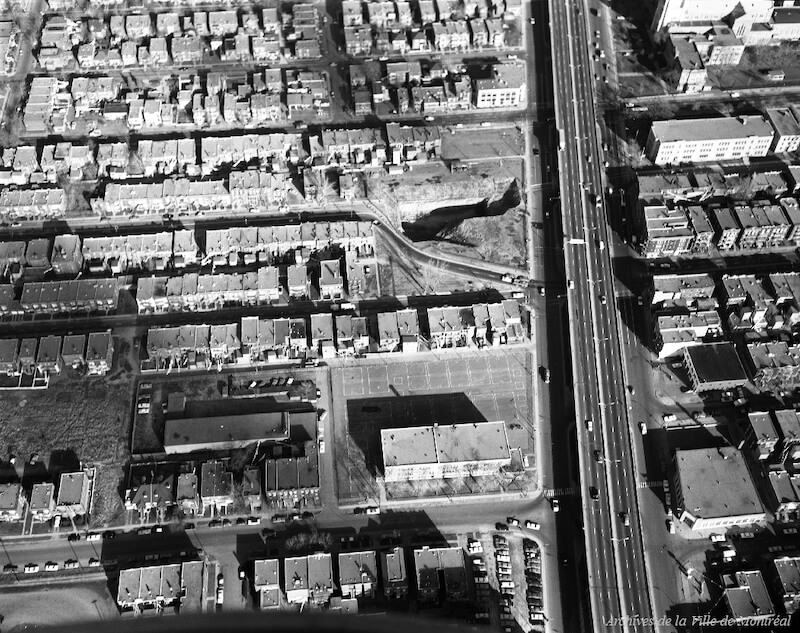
column 393, row 571
column 715, row 490
column 441, row 570
column 677, row 331
column 441, row 452
column 358, row 577
column 714, row 366
column 699, row 140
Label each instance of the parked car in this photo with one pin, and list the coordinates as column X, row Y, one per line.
column 532, row 525
column 513, row 521
column 71, row 564
column 501, row 527
column 373, row 510
column 51, row 566
column 253, row 521
column 10, row 568
column 31, row 568
column 279, row 518
column 93, row 536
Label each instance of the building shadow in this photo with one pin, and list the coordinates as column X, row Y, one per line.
column 367, row 417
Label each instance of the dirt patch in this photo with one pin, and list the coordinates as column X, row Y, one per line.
column 55, row 606
column 83, row 416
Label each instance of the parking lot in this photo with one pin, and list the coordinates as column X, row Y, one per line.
column 449, row 388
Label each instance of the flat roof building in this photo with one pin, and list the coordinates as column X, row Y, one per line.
column 224, row 432
column 73, row 494
column 442, row 563
column 358, row 574
column 787, row 568
column 393, row 570
column 678, row 141
column 447, row 451
column 714, row 366
column 715, row 489
column 747, row 597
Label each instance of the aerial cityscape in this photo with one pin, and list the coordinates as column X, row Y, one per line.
column 483, row 313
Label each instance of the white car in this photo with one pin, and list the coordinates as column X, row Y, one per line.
column 93, row 536
column 373, row 510
column 31, row 568
column 532, row 525
column 513, row 521
column 51, row 566
column 70, row 564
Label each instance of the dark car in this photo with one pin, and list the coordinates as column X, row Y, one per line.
column 593, row 493
column 214, row 523
column 241, row 521
column 358, row 510
column 308, row 515
column 109, row 535
column 501, row 527
column 268, row 532
column 74, row 537
column 597, row 456
column 188, row 526
column 226, row 522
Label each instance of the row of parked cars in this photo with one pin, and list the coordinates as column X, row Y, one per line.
column 35, row 568
column 533, row 582
column 481, row 578
column 502, row 558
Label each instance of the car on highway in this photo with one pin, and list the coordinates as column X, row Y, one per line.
column 603, row 299
column 598, row 457
column 625, row 518
column 31, row 568
column 544, row 372
column 643, row 428
column 594, row 493
column 570, row 284
column 514, row 521
column 532, row 525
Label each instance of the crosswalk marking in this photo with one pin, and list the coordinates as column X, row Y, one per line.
column 559, row 492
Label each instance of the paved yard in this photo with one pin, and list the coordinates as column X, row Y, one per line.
column 447, row 388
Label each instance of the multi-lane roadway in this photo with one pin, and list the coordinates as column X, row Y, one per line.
column 615, row 560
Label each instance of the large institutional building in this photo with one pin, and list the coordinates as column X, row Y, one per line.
column 441, row 452
column 700, row 140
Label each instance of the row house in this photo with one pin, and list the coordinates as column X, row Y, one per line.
column 32, row 204
column 173, row 195
column 56, row 297
column 353, row 147
column 352, row 335
column 450, row 36
column 691, row 291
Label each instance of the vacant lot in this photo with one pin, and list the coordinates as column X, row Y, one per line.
column 456, row 387
column 55, row 606
column 76, row 418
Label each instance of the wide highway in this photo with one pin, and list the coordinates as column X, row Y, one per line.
column 615, row 561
